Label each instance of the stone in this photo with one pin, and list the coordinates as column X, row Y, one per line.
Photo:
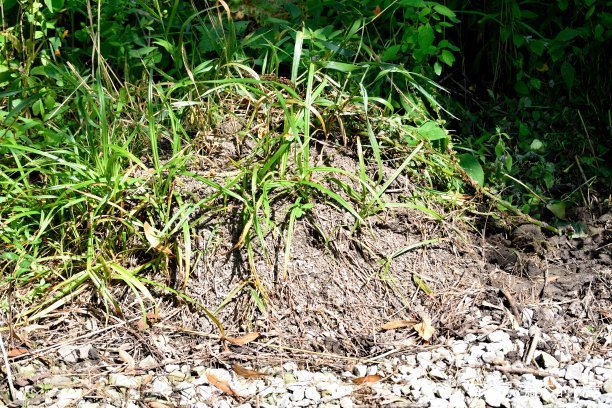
column 498, row 336
column 574, row 371
column 148, row 363
column 607, row 387
column 523, row 401
column 495, row 396
column 470, row 337
column 438, row 403
column 587, row 392
column 360, row 370
column 459, row 347
column 303, row 375
column 124, row 381
column 161, row 386
column 346, row 402
column 443, row 391
column 545, row 360
column 312, row 394
column 438, row 374
column 457, row 400
column 70, row 354
column 490, row 357
column 297, row 394
column 172, row 367
column 67, row 396
column 478, row 403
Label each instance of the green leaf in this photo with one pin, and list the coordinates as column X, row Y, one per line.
column 391, row 53
column 54, row 5
column 568, row 73
column 567, row 35
column 425, row 36
column 562, row 4
column 536, row 46
column 472, row 167
column 557, row 207
column 421, row 284
column 447, row 57
column 431, row 131
column 536, row 144
column 437, row 68
column 445, row 11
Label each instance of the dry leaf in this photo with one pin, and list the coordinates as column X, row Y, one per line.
column 158, row 404
column 425, row 329
column 147, row 379
column 17, row 352
column 367, row 379
column 141, row 325
column 153, row 316
column 242, row 340
column 125, row 357
column 151, row 234
column 246, row 373
column 220, row 384
column 397, row 324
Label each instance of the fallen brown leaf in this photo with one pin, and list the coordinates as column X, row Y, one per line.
column 397, row 324
column 220, row 384
column 425, row 329
column 125, row 357
column 367, row 379
column 242, row 340
column 157, row 404
column 246, row 373
column 17, row 352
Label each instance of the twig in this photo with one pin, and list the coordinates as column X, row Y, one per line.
column 9, row 374
column 512, row 304
column 524, row 370
column 535, row 339
column 543, row 291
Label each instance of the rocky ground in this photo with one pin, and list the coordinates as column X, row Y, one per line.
column 480, row 370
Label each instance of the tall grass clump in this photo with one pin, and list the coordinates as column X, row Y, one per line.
column 108, row 107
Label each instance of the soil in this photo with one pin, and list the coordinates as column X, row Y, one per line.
column 341, row 286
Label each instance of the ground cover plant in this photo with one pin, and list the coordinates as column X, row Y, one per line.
column 128, row 126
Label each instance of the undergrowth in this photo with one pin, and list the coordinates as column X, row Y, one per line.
column 107, row 113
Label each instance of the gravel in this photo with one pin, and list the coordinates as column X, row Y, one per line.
column 475, row 371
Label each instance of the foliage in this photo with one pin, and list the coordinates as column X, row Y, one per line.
column 105, row 106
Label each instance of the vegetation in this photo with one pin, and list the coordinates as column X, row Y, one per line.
column 112, row 112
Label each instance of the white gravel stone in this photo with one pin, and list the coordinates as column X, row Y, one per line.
column 470, row 337
column 495, row 396
column 312, row 394
column 444, row 391
column 607, row 387
column 498, row 336
column 491, row 357
column 545, row 360
column 574, row 371
column 124, row 381
column 172, row 367
column 360, row 370
column 457, row 400
column 161, row 386
column 437, row 373
column 297, row 394
column 459, row 347
column 438, row 403
column 346, row 402
column 148, row 363
column 67, row 396
column 526, row 402
column 478, row 403
column 303, row 375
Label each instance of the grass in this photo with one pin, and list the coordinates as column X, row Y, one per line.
column 90, row 189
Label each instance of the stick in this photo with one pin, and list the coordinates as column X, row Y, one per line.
column 524, row 370
column 9, row 374
column 512, row 303
column 535, row 339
